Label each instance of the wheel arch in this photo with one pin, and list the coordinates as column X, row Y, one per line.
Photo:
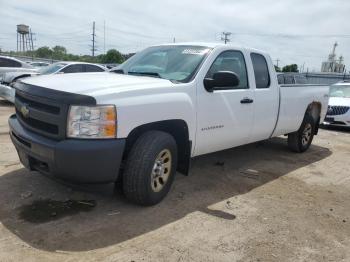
column 314, row 109
column 178, row 128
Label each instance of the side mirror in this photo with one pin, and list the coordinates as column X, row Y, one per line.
column 221, row 80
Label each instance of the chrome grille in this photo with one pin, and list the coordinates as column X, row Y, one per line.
column 41, row 115
column 337, row 110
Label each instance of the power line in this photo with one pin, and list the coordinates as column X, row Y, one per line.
column 280, row 35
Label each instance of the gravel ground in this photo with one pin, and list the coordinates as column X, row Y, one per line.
column 258, row 202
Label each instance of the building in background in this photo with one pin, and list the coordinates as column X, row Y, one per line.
column 332, row 65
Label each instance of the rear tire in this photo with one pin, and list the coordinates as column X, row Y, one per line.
column 150, row 168
column 301, row 140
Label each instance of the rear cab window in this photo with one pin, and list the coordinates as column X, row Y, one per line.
column 261, row 71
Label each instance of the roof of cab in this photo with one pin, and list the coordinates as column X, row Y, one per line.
column 212, row 45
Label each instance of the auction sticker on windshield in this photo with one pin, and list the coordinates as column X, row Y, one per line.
column 192, row 51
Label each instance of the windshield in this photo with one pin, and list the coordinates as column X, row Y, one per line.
column 339, row 91
column 51, row 68
column 175, row 63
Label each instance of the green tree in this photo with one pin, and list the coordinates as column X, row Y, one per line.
column 290, row 68
column 59, row 52
column 43, row 52
column 112, row 56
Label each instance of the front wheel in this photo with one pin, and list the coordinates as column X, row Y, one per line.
column 300, row 140
column 150, row 168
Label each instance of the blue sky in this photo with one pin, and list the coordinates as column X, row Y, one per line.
column 294, row 31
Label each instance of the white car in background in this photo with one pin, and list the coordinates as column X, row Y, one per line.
column 9, row 79
column 39, row 64
column 10, row 64
column 338, row 113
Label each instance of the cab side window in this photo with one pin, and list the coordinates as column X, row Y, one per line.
column 261, row 71
column 232, row 61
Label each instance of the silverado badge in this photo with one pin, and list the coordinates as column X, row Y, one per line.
column 25, row 111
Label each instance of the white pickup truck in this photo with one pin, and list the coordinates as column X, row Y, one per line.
column 165, row 105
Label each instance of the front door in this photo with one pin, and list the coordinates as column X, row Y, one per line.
column 224, row 117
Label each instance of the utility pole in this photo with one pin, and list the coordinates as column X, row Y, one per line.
column 277, row 61
column 93, row 39
column 104, row 36
column 31, row 43
column 225, row 37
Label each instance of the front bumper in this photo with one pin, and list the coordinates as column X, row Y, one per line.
column 337, row 120
column 7, row 93
column 72, row 160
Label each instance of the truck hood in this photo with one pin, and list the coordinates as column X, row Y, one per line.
column 339, row 101
column 96, row 84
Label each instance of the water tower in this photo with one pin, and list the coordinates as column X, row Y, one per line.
column 24, row 38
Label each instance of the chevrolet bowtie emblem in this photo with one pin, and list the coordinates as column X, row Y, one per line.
column 25, row 110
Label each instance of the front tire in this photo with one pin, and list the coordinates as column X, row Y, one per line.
column 301, row 140
column 150, row 168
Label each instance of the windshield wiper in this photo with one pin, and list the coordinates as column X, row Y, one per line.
column 154, row 74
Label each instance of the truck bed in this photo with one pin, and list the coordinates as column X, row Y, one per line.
column 294, row 99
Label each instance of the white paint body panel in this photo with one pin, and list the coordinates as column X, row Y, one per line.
column 141, row 100
column 294, row 101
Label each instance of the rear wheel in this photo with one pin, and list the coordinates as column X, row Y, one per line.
column 301, row 140
column 150, row 168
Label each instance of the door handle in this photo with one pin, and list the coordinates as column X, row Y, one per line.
column 247, row 100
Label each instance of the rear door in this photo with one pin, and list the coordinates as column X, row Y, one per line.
column 266, row 102
column 224, row 120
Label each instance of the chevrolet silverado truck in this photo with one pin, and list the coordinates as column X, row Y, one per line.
column 143, row 122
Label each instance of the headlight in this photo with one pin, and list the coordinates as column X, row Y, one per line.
column 92, row 122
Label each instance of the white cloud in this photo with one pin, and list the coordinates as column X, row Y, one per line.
column 293, row 31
